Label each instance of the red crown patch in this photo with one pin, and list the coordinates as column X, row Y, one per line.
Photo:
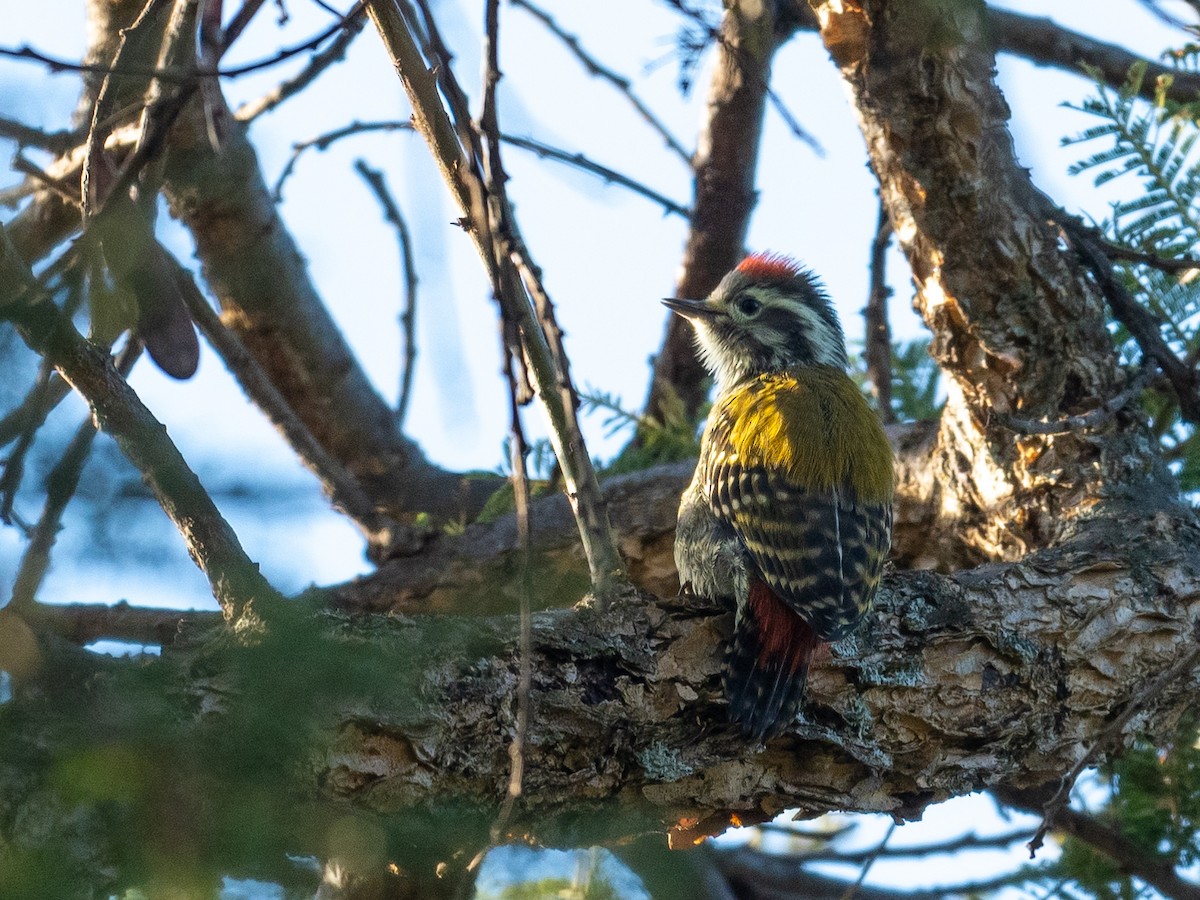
column 769, row 267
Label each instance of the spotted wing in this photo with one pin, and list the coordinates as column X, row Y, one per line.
column 820, row 551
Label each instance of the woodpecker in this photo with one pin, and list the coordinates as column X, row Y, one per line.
column 789, row 513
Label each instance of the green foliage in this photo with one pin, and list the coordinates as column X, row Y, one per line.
column 1153, row 801
column 1092, row 872
column 672, row 439
column 175, row 789
column 558, row 889
column 916, row 380
column 1157, row 795
column 1156, row 145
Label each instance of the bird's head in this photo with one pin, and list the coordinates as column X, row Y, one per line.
column 767, row 314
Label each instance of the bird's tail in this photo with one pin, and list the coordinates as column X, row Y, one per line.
column 767, row 665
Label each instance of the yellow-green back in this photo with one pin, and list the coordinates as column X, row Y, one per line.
column 832, row 436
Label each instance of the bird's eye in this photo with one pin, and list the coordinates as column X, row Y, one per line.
column 747, row 305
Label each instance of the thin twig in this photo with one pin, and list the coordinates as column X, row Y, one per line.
column 238, row 23
column 57, row 142
column 408, row 318
column 1090, row 420
column 519, row 450
column 520, row 476
column 1057, row 803
column 343, row 491
column 61, row 484
column 181, row 75
column 1162, row 263
column 14, row 463
column 461, row 168
column 1141, row 324
column 850, row 891
column 63, row 187
column 34, row 407
column 798, row 131
column 84, row 623
column 546, row 151
column 618, row 81
column 442, row 59
column 245, row 596
column 879, row 330
column 583, row 163
column 321, row 61
column 970, row 841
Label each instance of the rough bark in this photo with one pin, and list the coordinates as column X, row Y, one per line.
column 1006, row 674
column 1017, row 326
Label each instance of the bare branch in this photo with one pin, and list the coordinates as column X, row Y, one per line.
column 236, row 582
column 1184, row 380
column 544, row 150
column 1162, row 263
column 61, row 485
column 868, row 862
column 767, row 876
column 343, row 491
column 33, row 408
column 799, row 132
column 14, row 463
column 238, row 23
column 1157, row 871
column 254, row 269
column 724, row 192
column 969, row 841
column 182, row 75
column 493, row 229
column 408, row 318
column 332, row 54
column 84, row 623
column 582, row 162
column 620, row 82
column 1043, row 42
column 27, row 136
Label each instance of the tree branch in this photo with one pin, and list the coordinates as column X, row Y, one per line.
column 408, row 318
column 252, row 265
column 342, row 490
column 1045, row 43
column 1018, row 327
column 334, row 53
column 1156, row 871
column 954, row 684
column 85, row 623
column 493, row 229
column 235, row 581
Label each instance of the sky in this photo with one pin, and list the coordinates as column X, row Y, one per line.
column 608, row 256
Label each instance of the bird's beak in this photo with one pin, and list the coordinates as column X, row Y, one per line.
column 690, row 309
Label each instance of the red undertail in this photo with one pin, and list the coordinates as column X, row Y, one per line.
column 768, row 664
